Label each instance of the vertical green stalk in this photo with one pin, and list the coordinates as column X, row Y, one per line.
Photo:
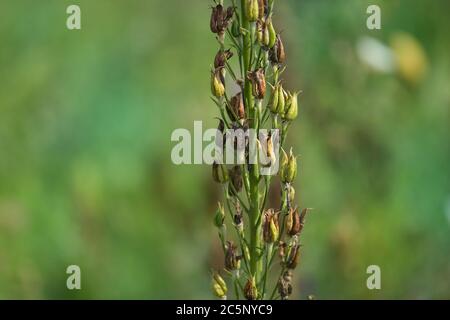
column 255, row 221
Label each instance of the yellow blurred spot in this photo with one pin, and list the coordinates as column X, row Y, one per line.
column 412, row 63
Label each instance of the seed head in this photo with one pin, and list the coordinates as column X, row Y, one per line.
column 221, row 58
column 237, row 111
column 220, row 19
column 293, row 257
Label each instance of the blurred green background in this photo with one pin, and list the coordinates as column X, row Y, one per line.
column 86, row 176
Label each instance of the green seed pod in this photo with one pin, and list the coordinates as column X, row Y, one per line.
column 281, row 100
column 250, row 289
column 217, row 83
column 292, row 108
column 236, row 28
column 271, row 228
column 219, row 173
column 273, row 104
column 272, row 33
column 219, row 286
column 252, row 10
column 290, row 170
column 219, row 218
column 291, row 193
column 283, row 165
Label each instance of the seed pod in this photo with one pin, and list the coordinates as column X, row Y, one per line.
column 282, row 250
column 236, row 180
column 292, row 258
column 219, row 218
column 252, row 10
column 262, row 32
column 250, row 289
column 272, row 33
column 238, row 108
column 281, row 100
column 292, row 107
column 258, row 80
column 288, row 170
column 221, row 58
column 219, row 286
column 271, row 228
column 291, row 194
column 231, row 258
column 303, row 219
column 273, row 103
column 293, row 226
column 285, row 285
column 220, row 19
column 262, row 8
column 277, row 55
column 283, row 165
column 219, row 173
column 270, row 152
column 217, row 83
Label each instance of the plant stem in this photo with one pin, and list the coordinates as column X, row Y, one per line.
column 255, row 222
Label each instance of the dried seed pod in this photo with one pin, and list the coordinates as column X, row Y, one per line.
column 221, row 58
column 219, row 286
column 262, row 33
column 237, row 111
column 271, row 228
column 285, row 285
column 293, row 226
column 258, row 80
column 217, row 83
column 303, row 219
column 263, row 8
column 277, row 55
column 220, row 19
column 236, row 179
column 250, row 289
column 219, row 173
column 293, row 257
column 231, row 258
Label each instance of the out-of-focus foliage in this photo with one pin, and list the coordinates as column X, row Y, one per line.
column 85, row 171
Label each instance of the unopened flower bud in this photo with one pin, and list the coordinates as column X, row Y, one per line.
column 292, row 257
column 219, row 286
column 217, row 83
column 250, row 289
column 219, row 173
column 258, row 80
column 231, row 258
column 221, row 58
column 271, row 228
column 219, row 218
column 293, row 222
column 252, row 10
column 291, row 112
column 277, row 55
